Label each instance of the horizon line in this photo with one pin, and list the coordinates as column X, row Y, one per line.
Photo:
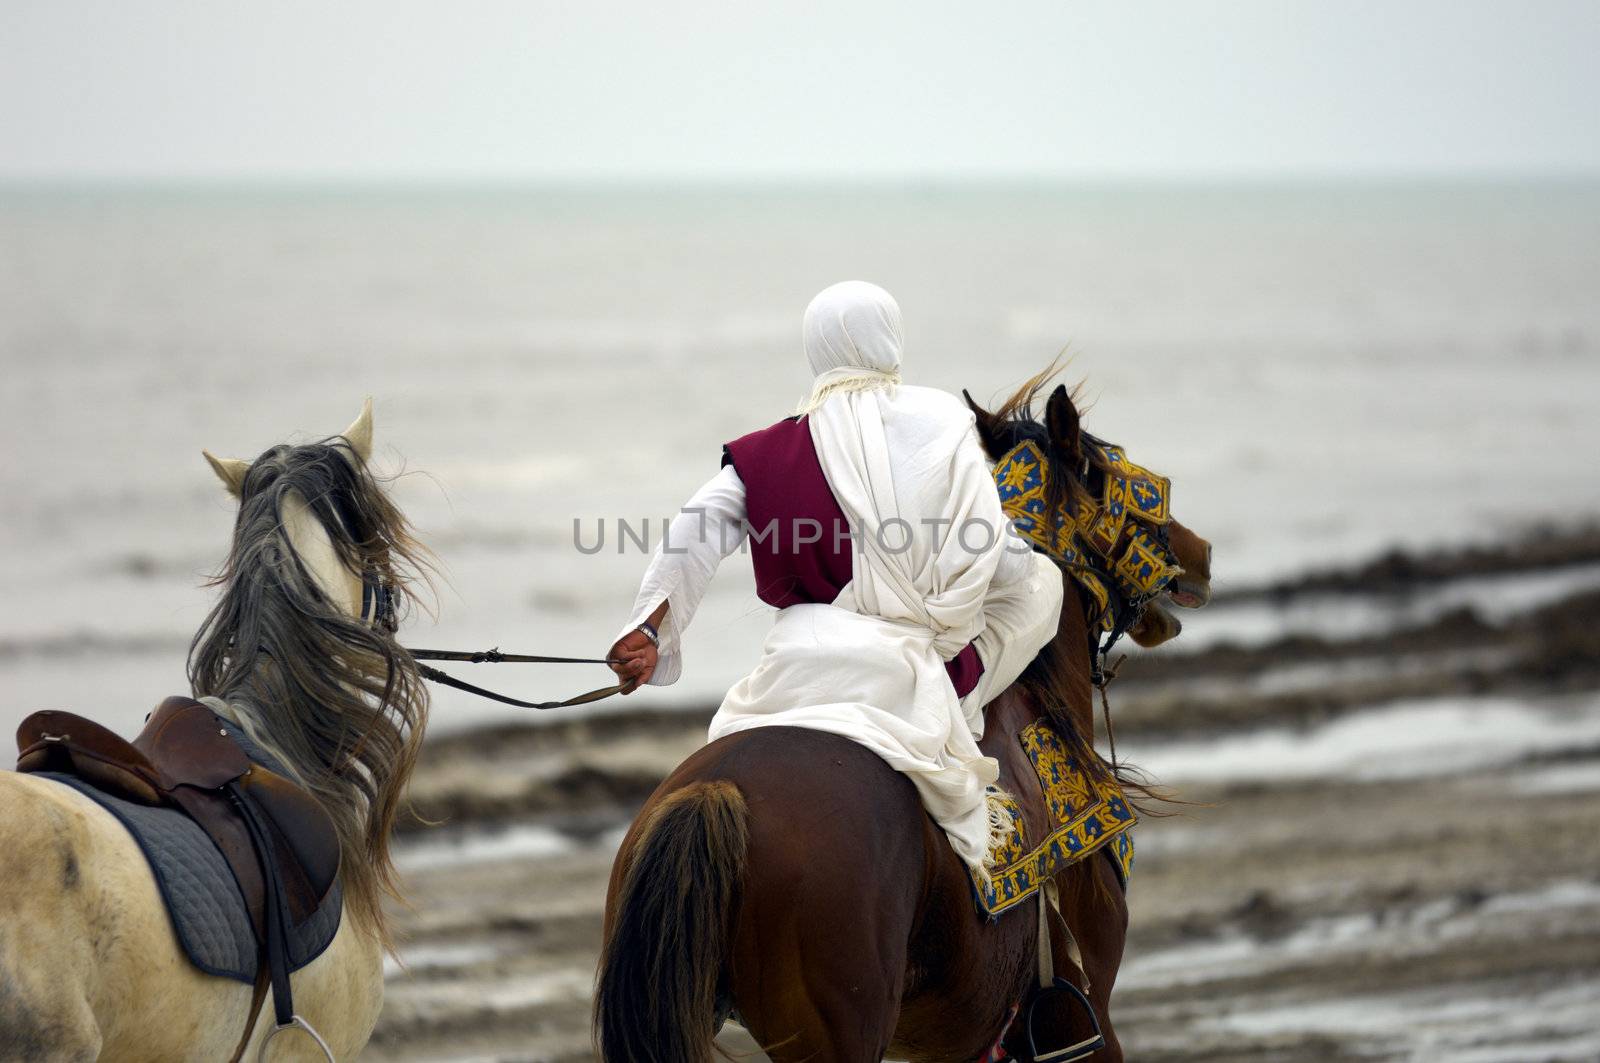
column 773, row 180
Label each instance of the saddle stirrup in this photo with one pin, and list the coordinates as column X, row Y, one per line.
column 275, row 950
column 295, row 1023
column 1050, row 984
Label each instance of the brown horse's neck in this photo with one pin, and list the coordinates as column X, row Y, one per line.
column 1056, row 687
column 1058, row 679
column 1072, row 642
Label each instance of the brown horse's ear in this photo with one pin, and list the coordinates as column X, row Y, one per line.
column 987, row 435
column 1061, row 421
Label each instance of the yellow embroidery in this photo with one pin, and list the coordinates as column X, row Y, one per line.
column 1085, row 816
column 1016, row 476
column 1141, row 569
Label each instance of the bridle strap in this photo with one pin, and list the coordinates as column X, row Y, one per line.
column 445, row 679
column 494, row 656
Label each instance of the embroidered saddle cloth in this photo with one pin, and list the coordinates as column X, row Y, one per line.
column 203, row 897
column 1059, row 815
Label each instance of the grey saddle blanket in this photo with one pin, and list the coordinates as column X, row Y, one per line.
column 207, row 909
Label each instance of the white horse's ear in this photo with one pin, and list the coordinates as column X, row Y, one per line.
column 360, row 432
column 230, row 471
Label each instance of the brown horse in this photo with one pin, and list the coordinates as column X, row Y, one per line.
column 791, row 879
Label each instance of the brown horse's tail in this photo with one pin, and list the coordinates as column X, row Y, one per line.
column 662, row 961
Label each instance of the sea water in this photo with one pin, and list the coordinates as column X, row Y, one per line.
column 1324, row 371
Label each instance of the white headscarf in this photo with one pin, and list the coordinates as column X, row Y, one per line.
column 852, row 335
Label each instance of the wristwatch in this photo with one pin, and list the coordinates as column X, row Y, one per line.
column 651, row 633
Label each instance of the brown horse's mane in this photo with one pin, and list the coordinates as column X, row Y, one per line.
column 1015, row 421
column 335, row 697
column 1057, row 679
column 1053, row 681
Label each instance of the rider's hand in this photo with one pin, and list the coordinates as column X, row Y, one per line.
column 637, row 657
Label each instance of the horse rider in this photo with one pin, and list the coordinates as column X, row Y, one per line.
column 905, row 602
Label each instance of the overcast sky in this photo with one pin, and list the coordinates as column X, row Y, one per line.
column 822, row 89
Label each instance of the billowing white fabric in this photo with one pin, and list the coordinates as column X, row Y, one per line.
column 906, row 467
column 1021, row 615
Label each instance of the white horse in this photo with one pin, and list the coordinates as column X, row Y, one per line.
column 90, row 967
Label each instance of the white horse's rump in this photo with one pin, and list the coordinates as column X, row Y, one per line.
column 90, row 966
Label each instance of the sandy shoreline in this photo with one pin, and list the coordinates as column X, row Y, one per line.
column 1395, row 852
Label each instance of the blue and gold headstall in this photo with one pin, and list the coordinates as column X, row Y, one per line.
column 1115, row 545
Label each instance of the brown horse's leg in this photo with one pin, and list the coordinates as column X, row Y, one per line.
column 833, row 880
column 816, row 1008
column 1096, row 908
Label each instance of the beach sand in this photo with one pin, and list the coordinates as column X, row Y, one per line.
column 1393, row 850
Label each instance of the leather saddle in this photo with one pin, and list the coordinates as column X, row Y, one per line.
column 277, row 839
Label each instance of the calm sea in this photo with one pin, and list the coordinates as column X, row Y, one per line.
column 1325, row 371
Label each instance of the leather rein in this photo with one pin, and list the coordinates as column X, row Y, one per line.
column 494, row 656
column 377, row 607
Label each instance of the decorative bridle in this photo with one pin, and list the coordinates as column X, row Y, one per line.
column 378, row 609
column 1113, row 539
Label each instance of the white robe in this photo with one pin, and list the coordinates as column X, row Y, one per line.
column 870, row 665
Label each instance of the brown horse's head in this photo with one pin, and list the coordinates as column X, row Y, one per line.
column 1191, row 589
column 1077, row 473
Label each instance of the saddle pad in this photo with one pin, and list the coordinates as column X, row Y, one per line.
column 1085, row 816
column 203, row 899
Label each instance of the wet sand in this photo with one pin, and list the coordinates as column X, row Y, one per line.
column 1394, row 851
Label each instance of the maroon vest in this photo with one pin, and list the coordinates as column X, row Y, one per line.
column 799, row 537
